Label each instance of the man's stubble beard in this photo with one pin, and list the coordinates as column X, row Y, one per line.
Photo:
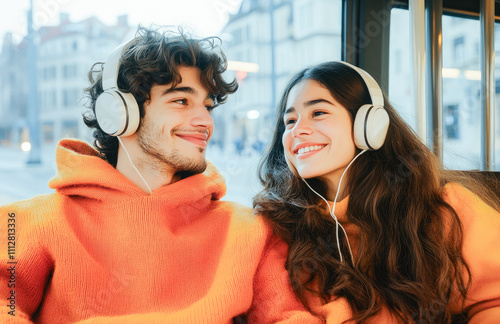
column 151, row 145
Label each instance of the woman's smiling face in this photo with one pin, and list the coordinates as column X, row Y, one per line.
column 318, row 137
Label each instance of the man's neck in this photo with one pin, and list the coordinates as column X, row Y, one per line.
column 154, row 176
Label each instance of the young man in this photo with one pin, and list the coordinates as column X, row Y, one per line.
column 135, row 232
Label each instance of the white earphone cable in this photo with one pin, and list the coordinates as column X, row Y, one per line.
column 332, row 210
column 128, row 155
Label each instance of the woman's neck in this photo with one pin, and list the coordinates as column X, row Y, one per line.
column 332, row 184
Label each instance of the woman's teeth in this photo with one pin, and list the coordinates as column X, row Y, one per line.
column 309, row 149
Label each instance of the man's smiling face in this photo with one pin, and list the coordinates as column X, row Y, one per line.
column 177, row 124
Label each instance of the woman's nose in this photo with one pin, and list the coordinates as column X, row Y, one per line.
column 301, row 127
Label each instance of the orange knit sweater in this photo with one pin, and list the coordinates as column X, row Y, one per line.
column 101, row 250
column 481, row 250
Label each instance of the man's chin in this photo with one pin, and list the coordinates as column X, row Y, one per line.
column 202, row 167
column 193, row 169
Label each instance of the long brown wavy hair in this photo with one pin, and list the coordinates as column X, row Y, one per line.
column 154, row 58
column 405, row 260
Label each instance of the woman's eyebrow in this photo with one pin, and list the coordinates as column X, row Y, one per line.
column 317, row 101
column 309, row 103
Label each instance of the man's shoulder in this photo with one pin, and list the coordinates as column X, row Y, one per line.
column 36, row 209
column 235, row 205
column 236, row 210
column 243, row 215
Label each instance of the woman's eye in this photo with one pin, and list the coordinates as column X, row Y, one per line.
column 319, row 113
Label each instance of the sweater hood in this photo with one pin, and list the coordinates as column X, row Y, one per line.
column 82, row 172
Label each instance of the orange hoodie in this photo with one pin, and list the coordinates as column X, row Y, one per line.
column 101, row 250
column 481, row 250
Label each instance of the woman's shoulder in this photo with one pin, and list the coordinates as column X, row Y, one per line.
column 465, row 202
column 481, row 238
column 454, row 191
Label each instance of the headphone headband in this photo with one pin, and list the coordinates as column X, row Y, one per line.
column 112, row 67
column 372, row 120
column 372, row 85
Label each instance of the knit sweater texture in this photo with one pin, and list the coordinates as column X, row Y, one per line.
column 100, row 250
column 481, row 251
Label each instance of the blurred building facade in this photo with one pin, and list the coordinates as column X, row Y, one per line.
column 292, row 34
column 65, row 54
column 13, row 91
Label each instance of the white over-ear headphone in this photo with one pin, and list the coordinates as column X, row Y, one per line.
column 116, row 112
column 372, row 120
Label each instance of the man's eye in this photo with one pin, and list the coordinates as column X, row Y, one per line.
column 289, row 121
column 182, row 101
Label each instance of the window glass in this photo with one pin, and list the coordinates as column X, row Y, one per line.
column 497, row 98
column 461, row 93
column 400, row 66
column 461, row 86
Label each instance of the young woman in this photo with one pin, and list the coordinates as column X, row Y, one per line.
column 369, row 215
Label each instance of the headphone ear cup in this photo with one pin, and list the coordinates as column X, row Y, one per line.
column 134, row 116
column 370, row 127
column 117, row 113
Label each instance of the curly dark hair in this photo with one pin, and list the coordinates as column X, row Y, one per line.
column 154, row 58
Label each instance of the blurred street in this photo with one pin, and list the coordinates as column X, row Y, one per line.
column 20, row 181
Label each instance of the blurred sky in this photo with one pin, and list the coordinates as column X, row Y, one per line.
column 205, row 17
